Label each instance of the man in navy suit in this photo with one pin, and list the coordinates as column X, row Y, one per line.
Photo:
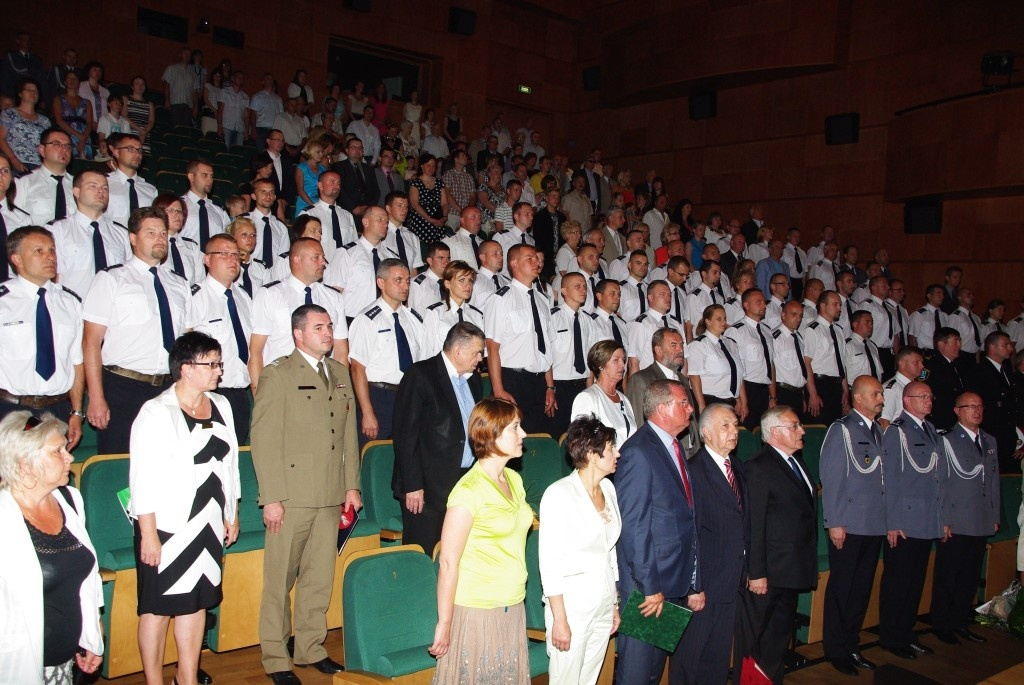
column 723, row 538
column 783, row 559
column 657, row 551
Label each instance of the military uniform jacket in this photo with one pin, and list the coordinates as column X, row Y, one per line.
column 971, row 501
column 852, row 487
column 914, row 483
column 304, row 435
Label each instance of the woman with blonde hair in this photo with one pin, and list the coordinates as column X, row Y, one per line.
column 253, row 272
column 307, row 174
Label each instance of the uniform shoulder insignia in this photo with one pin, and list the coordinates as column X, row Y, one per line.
column 623, row 281
column 435, row 305
column 51, row 222
column 475, row 309
column 113, row 266
column 849, row 340
column 1019, row 319
column 332, row 287
column 417, row 315
column 776, row 334
column 922, row 310
column 284, row 255
column 306, row 209
column 731, row 300
column 119, row 225
column 641, row 318
column 271, row 284
column 592, row 315
column 189, row 240
column 419, row 279
column 820, row 262
column 278, row 361
column 699, row 338
column 500, row 292
column 348, row 247
column 196, row 288
column 373, row 311
column 260, row 262
column 813, row 324
column 897, row 422
column 738, row 324
column 4, row 290
column 890, row 384
column 620, row 258
column 555, row 310
column 941, row 431
column 65, row 289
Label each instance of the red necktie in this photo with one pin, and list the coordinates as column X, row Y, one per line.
column 682, row 470
column 732, row 481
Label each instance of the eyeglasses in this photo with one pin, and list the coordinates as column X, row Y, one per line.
column 173, row 210
column 922, row 397
column 227, row 255
column 31, row 422
column 791, row 426
column 970, row 406
column 212, row 365
column 60, row 146
column 133, row 150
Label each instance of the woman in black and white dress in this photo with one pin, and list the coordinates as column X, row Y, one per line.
column 184, row 493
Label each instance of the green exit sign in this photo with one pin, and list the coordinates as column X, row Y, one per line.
column 525, row 90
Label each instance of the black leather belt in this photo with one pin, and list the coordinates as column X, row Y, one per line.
column 383, row 386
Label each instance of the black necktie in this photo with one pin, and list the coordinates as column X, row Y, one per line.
column 799, row 264
column 335, row 227
column 4, row 271
column 404, row 354
column 721, row 293
column 497, row 283
column 764, row 347
column 838, row 351
column 246, row 281
column 391, row 181
column 903, row 329
column 460, row 315
column 472, row 239
column 577, row 345
column 376, row 265
column 178, row 265
column 977, row 443
column 713, row 300
column 400, row 243
column 99, row 255
column 166, row 324
column 133, row 197
column 309, row 295
column 204, row 225
column 871, row 358
column 733, row 373
column 938, row 325
column 974, row 325
column 640, row 296
column 664, row 321
column 60, row 207
column 679, row 307
column 538, row 329
column 523, row 241
column 268, row 243
column 46, row 358
column 615, row 329
column 236, row 326
column 440, row 289
column 799, row 355
column 796, row 471
column 849, row 309
column 600, row 271
column 888, row 315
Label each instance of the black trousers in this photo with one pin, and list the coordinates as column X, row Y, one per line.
column 423, row 529
column 830, row 389
column 241, row 410
column 125, row 398
column 529, row 389
column 794, row 399
column 61, row 410
column 565, row 393
column 851, row 575
column 764, row 628
column 955, row 583
column 757, row 403
column 888, row 359
column 383, row 402
column 703, row 653
column 902, row 582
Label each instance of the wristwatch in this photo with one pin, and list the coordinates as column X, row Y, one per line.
column 78, row 412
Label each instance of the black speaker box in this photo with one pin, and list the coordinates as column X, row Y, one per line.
column 592, row 78
column 461, row 21
column 703, row 105
column 922, row 215
column 842, row 129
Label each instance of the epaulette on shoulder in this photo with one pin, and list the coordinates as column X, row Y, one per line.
column 641, row 318
column 113, row 266
column 271, row 284
column 332, row 287
column 500, row 292
column 69, row 291
column 922, row 310
column 419, row 279
column 776, row 334
column 372, row 312
column 278, row 361
column 592, row 315
column 738, row 324
column 435, row 305
column 1019, row 319
column 348, row 247
column 623, row 281
column 813, row 324
column 4, row 290
column 897, row 422
column 620, row 257
column 699, row 338
column 189, row 240
column 119, row 225
column 174, row 273
column 888, row 385
column 820, row 262
column 475, row 309
column 731, row 300
column 260, row 262
column 941, row 431
column 417, row 315
column 306, row 209
column 196, row 288
column 555, row 310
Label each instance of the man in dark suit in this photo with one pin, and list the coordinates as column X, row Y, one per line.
column 723, row 538
column 732, row 256
column 358, row 182
column 991, row 380
column 386, row 177
column 669, row 362
column 951, row 289
column 285, row 181
column 946, row 376
column 783, row 558
column 657, row 550
column 753, row 224
column 432, row 451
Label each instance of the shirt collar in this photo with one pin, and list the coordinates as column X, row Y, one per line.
column 450, row 368
column 668, row 373
column 310, row 360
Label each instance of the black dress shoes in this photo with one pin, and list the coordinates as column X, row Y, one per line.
column 918, row 648
column 859, row 661
column 204, row 678
column 947, row 636
column 284, row 678
column 327, row 666
column 844, row 666
column 902, row 652
column 966, row 634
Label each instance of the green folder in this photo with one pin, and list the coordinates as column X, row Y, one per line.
column 663, row 631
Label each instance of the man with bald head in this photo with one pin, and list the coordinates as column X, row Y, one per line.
column 853, row 504
column 914, row 518
column 723, row 540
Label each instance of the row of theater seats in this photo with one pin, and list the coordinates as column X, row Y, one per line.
column 389, row 599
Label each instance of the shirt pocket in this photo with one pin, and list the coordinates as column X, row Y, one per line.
column 133, row 308
column 18, row 339
column 520, row 322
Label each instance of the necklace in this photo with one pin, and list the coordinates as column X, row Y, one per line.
column 194, row 408
column 28, row 513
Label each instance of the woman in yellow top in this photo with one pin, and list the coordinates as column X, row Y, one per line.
column 481, row 621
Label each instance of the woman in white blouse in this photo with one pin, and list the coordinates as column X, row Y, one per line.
column 572, row 235
column 579, row 526
column 607, row 361
column 715, row 365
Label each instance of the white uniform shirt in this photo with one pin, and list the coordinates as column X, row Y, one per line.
column 18, row 301
column 14, row 216
column 618, row 268
column 825, row 271
column 210, row 315
column 352, row 272
column 123, row 298
column 892, row 395
column 486, row 284
column 219, row 219
column 752, row 352
column 789, row 258
column 922, row 326
column 787, row 359
column 705, row 358
column 603, row 322
column 257, row 275
column 373, row 342
column 698, row 300
column 191, row 259
column 461, row 248
column 734, row 310
column 633, row 301
column 76, row 266
column 346, row 224
column 424, row 290
column 883, row 320
column 508, row 321
column 640, row 332
column 820, row 348
column 37, row 195
column 722, row 291
column 272, row 309
column 562, row 327
column 439, row 318
column 757, row 252
column 902, row 323
column 279, row 239
column 773, row 313
column 969, row 325
column 118, row 207
column 413, row 253
column 810, row 314
column 564, row 257
column 858, row 351
column 509, row 237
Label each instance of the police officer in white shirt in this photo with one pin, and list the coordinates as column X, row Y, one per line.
column 640, row 331
column 519, row 343
column 844, row 288
column 489, row 278
column 37, row 191
column 222, row 310
column 796, row 259
column 183, row 256
column 884, row 331
column 573, row 336
column 41, row 366
column 724, row 287
column 812, row 291
column 466, row 241
column 425, row 289
column 825, row 356
column 861, row 354
column 588, row 263
column 271, row 234
column 133, row 314
column 354, row 269
column 618, row 268
column 928, row 319
column 458, row 280
column 205, row 219
column 972, row 332
column 385, row 341
column 634, row 290
column 400, row 241
column 897, row 293
column 88, row 241
column 909, row 364
column 274, row 303
column 715, row 365
column 817, row 251
column 519, row 232
column 734, row 305
column 339, row 227
column 704, row 295
column 253, row 274
column 790, row 366
column 779, row 287
column 304, row 226
column 826, row 269
column 128, row 191
column 754, row 341
column 608, row 325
